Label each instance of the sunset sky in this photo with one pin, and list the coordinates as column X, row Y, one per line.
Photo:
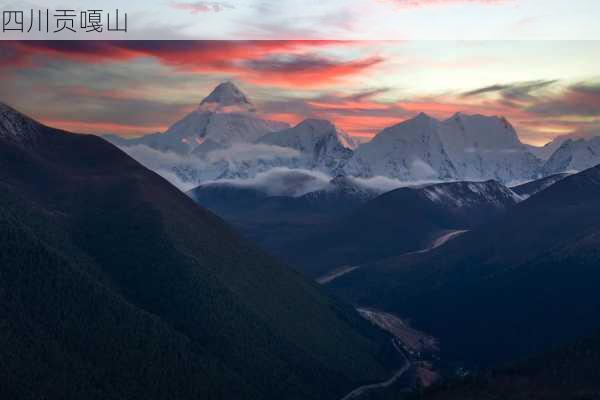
column 545, row 88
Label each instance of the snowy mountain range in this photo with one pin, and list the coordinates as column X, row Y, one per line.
column 411, row 150
column 473, row 147
column 574, row 155
column 320, row 144
column 545, row 152
column 224, row 138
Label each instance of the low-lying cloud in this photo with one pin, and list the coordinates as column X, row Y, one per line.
column 282, row 182
column 384, row 184
column 297, row 182
column 277, row 181
column 241, row 152
column 187, row 171
column 163, row 162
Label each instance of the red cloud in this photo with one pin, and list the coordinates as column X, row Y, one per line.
column 277, row 63
column 303, row 71
column 184, row 53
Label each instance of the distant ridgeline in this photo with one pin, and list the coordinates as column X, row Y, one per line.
column 224, row 138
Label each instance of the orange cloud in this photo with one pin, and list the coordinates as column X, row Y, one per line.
column 102, row 127
column 304, row 72
column 289, row 63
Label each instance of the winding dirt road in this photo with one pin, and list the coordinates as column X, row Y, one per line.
column 341, row 271
column 443, row 239
column 336, row 273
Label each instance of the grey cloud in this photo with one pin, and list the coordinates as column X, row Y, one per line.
column 581, row 99
column 162, row 163
column 241, row 152
column 283, row 182
column 384, row 184
column 512, row 91
column 485, row 89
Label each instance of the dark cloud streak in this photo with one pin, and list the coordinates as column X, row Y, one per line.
column 513, row 91
column 271, row 63
column 581, row 99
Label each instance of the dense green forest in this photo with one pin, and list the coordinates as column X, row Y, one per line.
column 114, row 284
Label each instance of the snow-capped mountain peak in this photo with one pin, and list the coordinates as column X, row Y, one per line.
column 423, row 117
column 320, row 144
column 486, row 147
column 226, row 97
column 574, row 155
column 409, row 150
column 463, row 146
column 317, row 124
column 308, row 134
column 224, row 117
column 546, row 151
column 488, row 131
column 412, row 125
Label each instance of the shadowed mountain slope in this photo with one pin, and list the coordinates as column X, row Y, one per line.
column 400, row 221
column 506, row 289
column 114, row 284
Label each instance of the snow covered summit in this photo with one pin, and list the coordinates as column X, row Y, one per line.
column 411, row 150
column 226, row 97
column 321, row 145
column 310, row 132
column 472, row 147
column 487, row 147
column 574, row 155
column 224, row 117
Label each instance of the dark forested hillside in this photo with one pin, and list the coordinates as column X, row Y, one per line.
column 349, row 225
column 276, row 222
column 510, row 288
column 113, row 285
column 397, row 222
column 530, row 188
column 568, row 373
